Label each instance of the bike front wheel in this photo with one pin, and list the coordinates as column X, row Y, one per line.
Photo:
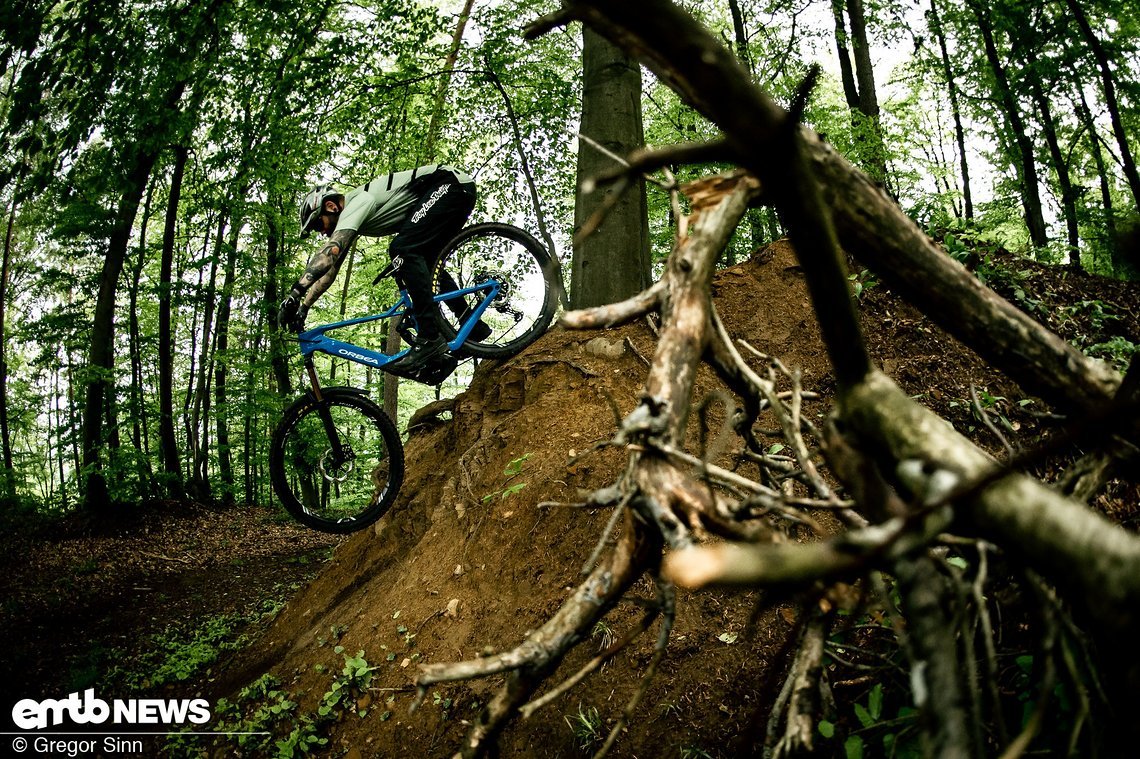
column 336, row 464
column 528, row 288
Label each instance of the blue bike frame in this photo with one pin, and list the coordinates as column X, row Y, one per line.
column 315, row 340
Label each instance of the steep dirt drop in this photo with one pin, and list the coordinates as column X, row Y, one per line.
column 484, row 543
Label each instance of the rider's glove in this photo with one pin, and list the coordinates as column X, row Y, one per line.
column 291, row 315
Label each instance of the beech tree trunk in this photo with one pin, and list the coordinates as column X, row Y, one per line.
column 859, row 86
column 138, row 404
column 221, row 367
column 1060, row 163
column 200, row 411
column 167, row 440
column 279, row 350
column 1027, row 163
column 101, row 356
column 952, row 89
column 9, row 484
column 612, row 263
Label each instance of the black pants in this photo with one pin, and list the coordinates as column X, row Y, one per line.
column 440, row 212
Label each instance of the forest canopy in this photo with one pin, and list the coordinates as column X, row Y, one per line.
column 154, row 154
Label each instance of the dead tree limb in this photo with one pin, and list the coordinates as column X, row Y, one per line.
column 868, row 223
column 662, row 490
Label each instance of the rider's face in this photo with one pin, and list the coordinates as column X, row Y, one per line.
column 326, row 222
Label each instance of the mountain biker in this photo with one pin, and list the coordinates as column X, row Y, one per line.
column 424, row 207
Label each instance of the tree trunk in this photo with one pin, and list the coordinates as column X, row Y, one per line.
column 859, row 88
column 1030, row 190
column 168, row 441
column 200, row 428
column 251, row 418
column 1060, row 164
column 1086, row 117
column 740, row 36
column 846, row 72
column 138, row 404
column 1127, row 162
column 278, row 349
column 952, row 88
column 441, row 91
column 221, row 368
column 101, row 356
column 9, row 484
column 613, row 262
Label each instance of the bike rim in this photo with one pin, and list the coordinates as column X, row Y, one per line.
column 338, row 486
column 523, row 292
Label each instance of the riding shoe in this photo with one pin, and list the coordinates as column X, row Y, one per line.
column 479, row 332
column 421, row 353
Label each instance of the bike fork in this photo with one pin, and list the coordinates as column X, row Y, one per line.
column 325, row 414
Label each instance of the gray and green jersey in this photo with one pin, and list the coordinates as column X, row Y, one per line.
column 381, row 206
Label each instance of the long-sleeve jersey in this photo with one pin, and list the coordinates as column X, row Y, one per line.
column 375, row 209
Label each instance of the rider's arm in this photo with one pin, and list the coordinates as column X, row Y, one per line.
column 323, row 267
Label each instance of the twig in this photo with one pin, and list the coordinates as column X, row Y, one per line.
column 985, row 417
column 647, row 160
column 806, row 676
column 635, row 351
column 166, row 558
column 668, row 606
column 605, row 536
column 646, row 620
column 615, row 314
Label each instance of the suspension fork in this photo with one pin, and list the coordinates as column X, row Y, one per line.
column 325, row 414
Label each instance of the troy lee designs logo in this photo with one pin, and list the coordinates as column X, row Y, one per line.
column 435, row 196
column 358, row 357
column 29, row 714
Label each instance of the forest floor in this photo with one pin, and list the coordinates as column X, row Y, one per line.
column 467, row 562
column 140, row 604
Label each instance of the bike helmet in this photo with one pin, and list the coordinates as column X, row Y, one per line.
column 311, row 205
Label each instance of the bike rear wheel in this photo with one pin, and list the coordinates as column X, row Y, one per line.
column 340, row 485
column 527, row 298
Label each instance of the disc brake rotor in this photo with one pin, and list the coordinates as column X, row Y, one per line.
column 340, row 472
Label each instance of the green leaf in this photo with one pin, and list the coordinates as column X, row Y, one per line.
column 864, row 716
column 875, row 701
column 728, row 638
column 958, row 561
column 853, row 747
column 775, row 448
column 826, row 729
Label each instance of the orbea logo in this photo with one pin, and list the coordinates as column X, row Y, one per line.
column 29, row 714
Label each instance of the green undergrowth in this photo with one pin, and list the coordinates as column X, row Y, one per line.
column 181, row 652
column 265, row 719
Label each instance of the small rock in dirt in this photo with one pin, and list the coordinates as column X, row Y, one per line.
column 404, row 664
column 452, row 608
column 604, row 348
column 458, row 570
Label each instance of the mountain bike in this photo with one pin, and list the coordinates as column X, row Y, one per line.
column 336, row 460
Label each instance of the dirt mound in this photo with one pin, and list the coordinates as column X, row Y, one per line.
column 483, row 545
